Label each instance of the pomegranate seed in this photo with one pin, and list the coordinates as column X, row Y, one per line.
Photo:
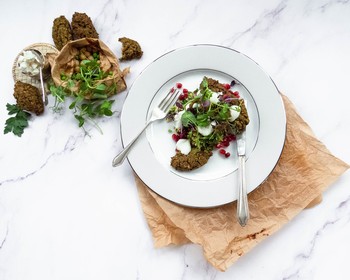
column 178, row 85
column 172, row 89
column 225, row 143
column 222, row 151
column 226, row 95
column 227, row 155
column 175, row 137
column 218, row 146
column 185, row 90
column 236, row 93
column 227, row 86
column 231, row 137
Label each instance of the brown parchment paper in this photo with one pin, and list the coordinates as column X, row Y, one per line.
column 64, row 63
column 306, row 168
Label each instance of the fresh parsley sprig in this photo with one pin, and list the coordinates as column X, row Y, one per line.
column 18, row 122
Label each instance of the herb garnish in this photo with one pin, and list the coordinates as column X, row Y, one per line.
column 18, row 122
column 90, row 94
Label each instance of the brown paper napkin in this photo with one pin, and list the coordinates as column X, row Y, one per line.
column 305, row 169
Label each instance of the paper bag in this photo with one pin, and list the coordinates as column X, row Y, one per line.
column 64, row 62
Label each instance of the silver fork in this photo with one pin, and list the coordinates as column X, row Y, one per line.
column 158, row 113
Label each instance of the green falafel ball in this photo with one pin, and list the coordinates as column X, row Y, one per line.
column 28, row 98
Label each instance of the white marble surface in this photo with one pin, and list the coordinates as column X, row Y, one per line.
column 65, row 213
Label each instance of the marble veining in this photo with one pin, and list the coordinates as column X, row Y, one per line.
column 341, row 215
column 66, row 213
column 262, row 25
column 69, row 146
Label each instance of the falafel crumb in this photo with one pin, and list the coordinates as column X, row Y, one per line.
column 130, row 49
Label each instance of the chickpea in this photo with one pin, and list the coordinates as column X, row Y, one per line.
column 90, row 57
column 82, row 56
column 77, row 69
column 76, row 62
column 87, row 54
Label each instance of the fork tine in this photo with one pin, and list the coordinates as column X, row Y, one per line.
column 165, row 98
column 169, row 100
column 173, row 100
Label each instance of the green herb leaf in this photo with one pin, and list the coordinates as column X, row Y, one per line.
column 70, row 84
column 204, row 84
column 99, row 95
column 188, row 118
column 101, row 87
column 12, row 109
column 80, row 119
column 104, row 109
column 72, row 105
column 224, row 112
column 203, row 120
column 17, row 123
column 86, row 62
column 58, row 93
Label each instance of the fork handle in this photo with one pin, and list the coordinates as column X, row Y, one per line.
column 242, row 201
column 118, row 160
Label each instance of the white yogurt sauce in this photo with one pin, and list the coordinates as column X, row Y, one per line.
column 184, row 146
column 206, row 130
column 235, row 112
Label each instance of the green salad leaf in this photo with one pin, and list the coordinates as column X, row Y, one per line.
column 188, row 118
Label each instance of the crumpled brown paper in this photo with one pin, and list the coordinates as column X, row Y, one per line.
column 64, row 63
column 305, row 169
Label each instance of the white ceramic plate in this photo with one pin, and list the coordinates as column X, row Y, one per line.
column 215, row 183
